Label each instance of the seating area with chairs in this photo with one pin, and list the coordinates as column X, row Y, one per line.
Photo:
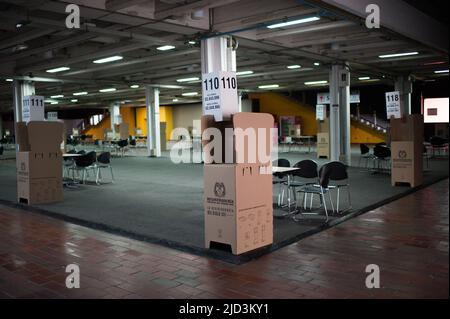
column 308, row 179
column 87, row 164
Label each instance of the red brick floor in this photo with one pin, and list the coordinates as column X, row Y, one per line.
column 408, row 239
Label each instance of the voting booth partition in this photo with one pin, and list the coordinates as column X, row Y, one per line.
column 238, row 186
column 406, row 150
column 323, row 138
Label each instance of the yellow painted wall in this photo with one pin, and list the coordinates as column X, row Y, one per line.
column 127, row 114
column 279, row 105
column 165, row 115
column 97, row 131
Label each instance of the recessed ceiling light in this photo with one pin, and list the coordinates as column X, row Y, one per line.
column 192, row 42
column 60, row 69
column 316, row 63
column 53, row 103
column 244, row 73
column 56, row 96
column 396, row 55
column 80, row 93
column 190, row 94
column 175, row 100
column 362, row 78
column 293, row 22
column 316, row 82
column 9, row 80
column 74, row 100
column 134, row 86
column 165, row 48
column 441, row 71
column 107, row 90
column 109, row 59
column 269, row 86
column 295, row 66
column 188, row 79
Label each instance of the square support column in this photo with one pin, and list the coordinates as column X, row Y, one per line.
column 114, row 111
column 403, row 84
column 153, row 124
column 21, row 89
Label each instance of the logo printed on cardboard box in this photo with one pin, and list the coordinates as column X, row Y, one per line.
column 219, row 189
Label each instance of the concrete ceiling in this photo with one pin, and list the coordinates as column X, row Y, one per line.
column 134, row 29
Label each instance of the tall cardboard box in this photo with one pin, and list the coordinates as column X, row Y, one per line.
column 39, row 162
column 406, row 150
column 238, row 183
column 238, row 206
column 323, row 138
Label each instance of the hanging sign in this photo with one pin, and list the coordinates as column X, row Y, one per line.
column 52, row 116
column 324, row 97
column 393, row 105
column 33, row 108
column 320, row 112
column 220, row 97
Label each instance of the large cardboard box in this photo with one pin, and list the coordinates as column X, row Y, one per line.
column 238, row 206
column 239, row 147
column 406, row 150
column 323, row 145
column 39, row 162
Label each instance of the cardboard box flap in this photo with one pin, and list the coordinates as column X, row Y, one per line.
column 45, row 136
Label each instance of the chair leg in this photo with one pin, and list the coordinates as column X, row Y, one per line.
column 322, row 195
column 331, row 201
column 112, row 174
column 337, row 200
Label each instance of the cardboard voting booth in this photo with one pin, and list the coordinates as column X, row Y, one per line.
column 406, row 150
column 39, row 162
column 323, row 139
column 238, row 195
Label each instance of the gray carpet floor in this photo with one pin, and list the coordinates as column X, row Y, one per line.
column 156, row 200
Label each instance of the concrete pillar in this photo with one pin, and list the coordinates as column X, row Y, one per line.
column 1, row 126
column 153, row 124
column 21, row 89
column 240, row 101
column 340, row 148
column 218, row 54
column 403, row 84
column 114, row 111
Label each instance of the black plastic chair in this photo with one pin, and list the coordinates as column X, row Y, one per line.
column 321, row 189
column 339, row 174
column 365, row 154
column 122, row 144
column 81, row 152
column 439, row 144
column 280, row 177
column 382, row 156
column 85, row 163
column 104, row 161
column 307, row 170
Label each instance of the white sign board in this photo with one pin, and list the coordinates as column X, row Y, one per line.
column 52, row 116
column 320, row 112
column 324, row 98
column 33, row 108
column 393, row 105
column 220, row 96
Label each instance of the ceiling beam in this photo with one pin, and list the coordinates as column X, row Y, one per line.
column 181, row 10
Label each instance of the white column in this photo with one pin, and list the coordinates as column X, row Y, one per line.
column 218, row 54
column 240, row 101
column 21, row 89
column 335, row 139
column 153, row 122
column 114, row 111
column 344, row 115
column 403, row 84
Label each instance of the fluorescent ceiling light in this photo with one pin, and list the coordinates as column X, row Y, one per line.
column 109, row 59
column 165, row 48
column 134, row 86
column 192, row 42
column 244, row 72
column 441, row 71
column 316, row 63
column 80, row 93
column 295, row 66
column 396, row 55
column 269, row 86
column 188, row 79
column 9, row 80
column 175, row 100
column 107, row 90
column 53, row 103
column 293, row 22
column 60, row 69
column 364, row 78
column 190, row 94
column 316, row 82
column 74, row 100
column 56, row 96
